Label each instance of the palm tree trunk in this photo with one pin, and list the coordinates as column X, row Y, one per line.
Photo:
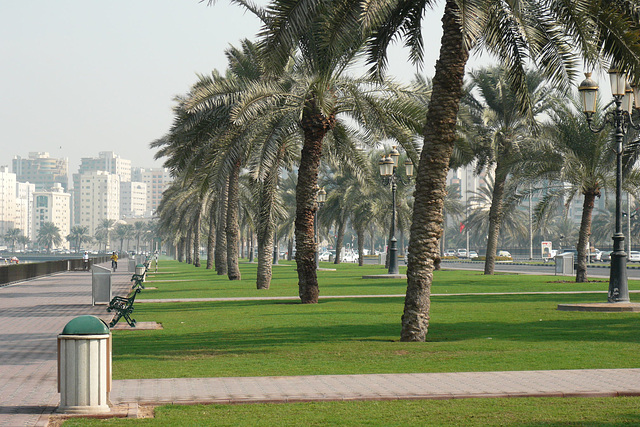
column 250, row 245
column 211, row 239
column 339, row 242
column 360, row 234
column 495, row 219
column 181, row 249
column 266, row 230
column 440, row 134
column 289, row 249
column 233, row 229
column 221, row 234
column 315, row 126
column 196, row 239
column 585, row 235
column 189, row 246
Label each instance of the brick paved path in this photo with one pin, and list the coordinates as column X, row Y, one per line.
column 33, row 313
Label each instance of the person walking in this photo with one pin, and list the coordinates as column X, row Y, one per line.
column 85, row 260
column 114, row 261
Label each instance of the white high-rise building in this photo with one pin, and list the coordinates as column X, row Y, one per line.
column 53, row 206
column 7, row 200
column 24, row 208
column 133, row 199
column 157, row 180
column 99, row 197
column 106, row 161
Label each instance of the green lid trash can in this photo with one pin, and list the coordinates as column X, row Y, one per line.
column 84, row 366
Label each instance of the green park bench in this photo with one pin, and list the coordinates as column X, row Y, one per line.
column 123, row 307
column 139, row 280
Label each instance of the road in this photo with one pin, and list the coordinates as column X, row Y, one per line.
column 600, row 271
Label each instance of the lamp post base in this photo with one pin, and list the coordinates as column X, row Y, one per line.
column 618, row 286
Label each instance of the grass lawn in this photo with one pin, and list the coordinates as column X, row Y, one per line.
column 176, row 280
column 354, row 336
column 458, row 412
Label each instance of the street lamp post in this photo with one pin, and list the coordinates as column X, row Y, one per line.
column 388, row 172
column 620, row 118
column 321, row 197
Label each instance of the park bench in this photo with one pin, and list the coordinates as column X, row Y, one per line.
column 123, row 307
column 139, row 280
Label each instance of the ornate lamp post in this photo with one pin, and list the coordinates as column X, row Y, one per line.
column 321, row 197
column 620, row 118
column 388, row 172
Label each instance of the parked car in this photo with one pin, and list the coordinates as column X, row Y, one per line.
column 324, row 256
column 461, row 253
column 473, row 254
column 634, row 256
column 605, row 256
column 450, row 252
column 505, row 254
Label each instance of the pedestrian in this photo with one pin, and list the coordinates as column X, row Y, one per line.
column 85, row 260
column 114, row 261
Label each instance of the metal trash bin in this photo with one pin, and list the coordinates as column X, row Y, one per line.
column 84, row 366
column 564, row 264
column 100, row 285
column 131, row 265
column 141, row 270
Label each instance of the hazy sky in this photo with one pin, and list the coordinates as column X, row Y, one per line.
column 82, row 76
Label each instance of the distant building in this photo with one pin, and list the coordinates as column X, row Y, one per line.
column 25, row 208
column 41, row 170
column 133, row 199
column 157, row 180
column 98, row 195
column 7, row 200
column 107, row 161
column 53, row 206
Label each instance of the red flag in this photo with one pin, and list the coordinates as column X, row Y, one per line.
column 461, row 227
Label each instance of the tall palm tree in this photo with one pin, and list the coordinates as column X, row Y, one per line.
column 11, row 237
column 321, row 97
column 123, row 232
column 103, row 231
column 549, row 34
column 140, row 229
column 49, row 235
column 582, row 161
column 503, row 132
column 78, row 235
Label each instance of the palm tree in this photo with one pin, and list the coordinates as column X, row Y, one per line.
column 140, row 229
column 503, row 132
column 49, row 235
column 78, row 235
column 11, row 237
column 549, row 34
column 123, row 232
column 103, row 231
column 322, row 97
column 584, row 162
column 24, row 241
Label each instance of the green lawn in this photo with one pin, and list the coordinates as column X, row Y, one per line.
column 353, row 336
column 546, row 412
column 176, row 280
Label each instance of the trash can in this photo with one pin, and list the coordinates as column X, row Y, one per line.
column 131, row 265
column 84, row 366
column 564, row 264
column 100, row 285
column 141, row 270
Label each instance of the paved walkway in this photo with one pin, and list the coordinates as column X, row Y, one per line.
column 33, row 313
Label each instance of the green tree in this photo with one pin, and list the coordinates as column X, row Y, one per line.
column 11, row 236
column 49, row 236
column 583, row 161
column 78, row 235
column 548, row 34
column 503, row 133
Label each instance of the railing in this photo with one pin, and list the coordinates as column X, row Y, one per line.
column 19, row 272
